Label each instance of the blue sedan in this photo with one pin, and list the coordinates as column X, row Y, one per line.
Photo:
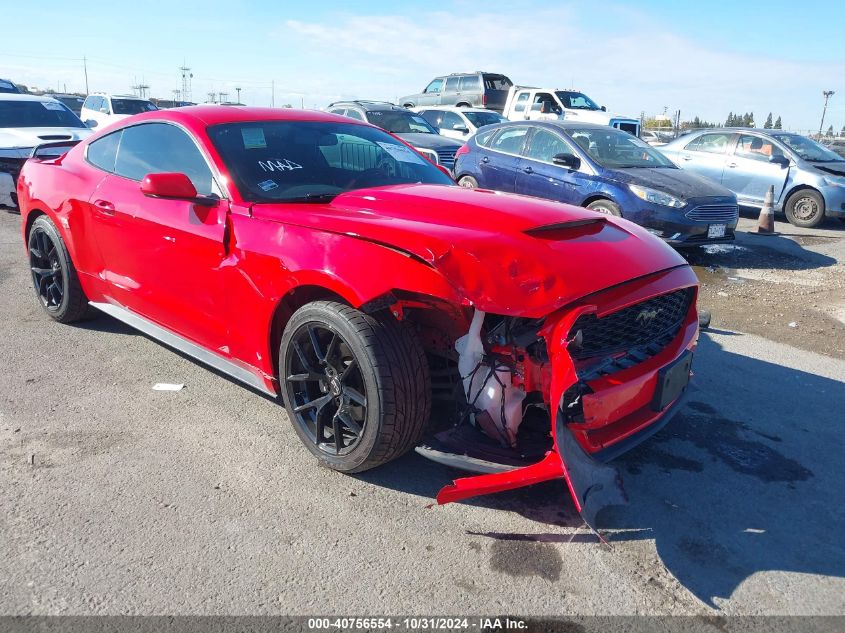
column 602, row 169
column 808, row 178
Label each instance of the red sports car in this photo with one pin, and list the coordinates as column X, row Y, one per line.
column 325, row 261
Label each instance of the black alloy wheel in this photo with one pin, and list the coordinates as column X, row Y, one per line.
column 326, row 389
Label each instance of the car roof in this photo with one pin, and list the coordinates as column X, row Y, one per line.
column 12, row 96
column 562, row 125
column 446, row 108
column 209, row 115
column 368, row 105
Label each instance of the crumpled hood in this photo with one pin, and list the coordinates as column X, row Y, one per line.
column 14, row 137
column 677, row 182
column 487, row 244
column 834, row 168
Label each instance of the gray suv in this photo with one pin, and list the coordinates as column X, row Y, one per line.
column 409, row 126
column 476, row 90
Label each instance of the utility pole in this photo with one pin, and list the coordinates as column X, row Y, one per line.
column 273, row 93
column 85, row 68
column 827, row 94
column 186, row 82
column 176, row 96
column 238, row 90
column 223, row 97
column 211, row 96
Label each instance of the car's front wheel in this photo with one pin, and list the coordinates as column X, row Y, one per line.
column 468, row 181
column 356, row 386
column 805, row 208
column 605, row 206
column 53, row 274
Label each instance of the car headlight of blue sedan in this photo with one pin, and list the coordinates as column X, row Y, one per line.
column 656, row 197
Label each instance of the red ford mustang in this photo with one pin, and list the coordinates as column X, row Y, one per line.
column 325, row 261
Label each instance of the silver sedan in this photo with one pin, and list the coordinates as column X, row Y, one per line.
column 808, row 179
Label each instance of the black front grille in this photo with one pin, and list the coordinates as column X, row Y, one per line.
column 726, row 213
column 446, row 157
column 656, row 319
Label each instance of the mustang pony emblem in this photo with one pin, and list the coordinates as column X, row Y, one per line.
column 647, row 316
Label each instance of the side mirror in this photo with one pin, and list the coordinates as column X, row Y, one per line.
column 604, row 108
column 91, row 124
column 174, row 186
column 783, row 161
column 567, row 160
column 458, row 127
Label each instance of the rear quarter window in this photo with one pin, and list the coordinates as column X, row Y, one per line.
column 102, row 152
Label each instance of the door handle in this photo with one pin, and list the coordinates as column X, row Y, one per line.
column 686, row 157
column 484, row 159
column 731, row 165
column 104, row 207
column 528, row 170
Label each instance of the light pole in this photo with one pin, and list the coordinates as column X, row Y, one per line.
column 827, row 95
column 238, row 90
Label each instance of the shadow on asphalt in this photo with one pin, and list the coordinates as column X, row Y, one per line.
column 725, row 490
column 753, row 252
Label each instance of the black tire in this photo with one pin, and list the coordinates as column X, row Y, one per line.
column 805, row 208
column 53, row 273
column 463, row 105
column 389, row 370
column 468, row 182
column 605, row 206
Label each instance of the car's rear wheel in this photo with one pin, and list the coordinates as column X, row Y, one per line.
column 53, row 274
column 468, row 181
column 805, row 208
column 605, row 206
column 356, row 386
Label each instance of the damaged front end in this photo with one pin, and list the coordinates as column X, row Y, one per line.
column 556, row 397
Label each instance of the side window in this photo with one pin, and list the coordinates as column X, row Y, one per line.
column 756, row 148
column 452, row 84
column 88, row 104
column 105, row 106
column 450, row 120
column 471, row 83
column 483, row 138
column 510, row 140
column 435, row 86
column 354, row 114
column 710, row 143
column 102, row 152
column 159, row 148
column 545, row 103
column 521, row 101
column 340, row 111
column 545, row 145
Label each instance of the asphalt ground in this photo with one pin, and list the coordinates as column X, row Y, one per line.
column 118, row 499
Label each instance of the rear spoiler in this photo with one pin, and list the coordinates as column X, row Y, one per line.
column 44, row 149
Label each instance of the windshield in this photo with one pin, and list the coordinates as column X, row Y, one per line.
column 615, row 149
column 131, row 106
column 399, row 122
column 306, row 161
column 480, row 119
column 37, row 114
column 8, row 86
column 808, row 149
column 576, row 100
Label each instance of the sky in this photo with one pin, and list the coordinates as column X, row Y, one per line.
column 703, row 58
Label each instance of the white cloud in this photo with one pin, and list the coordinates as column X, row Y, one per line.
column 620, row 57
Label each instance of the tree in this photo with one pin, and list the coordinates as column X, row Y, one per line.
column 729, row 122
column 778, row 125
column 830, row 131
column 768, row 124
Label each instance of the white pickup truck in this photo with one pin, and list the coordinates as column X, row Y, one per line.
column 525, row 103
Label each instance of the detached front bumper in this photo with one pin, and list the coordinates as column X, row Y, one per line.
column 619, row 409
